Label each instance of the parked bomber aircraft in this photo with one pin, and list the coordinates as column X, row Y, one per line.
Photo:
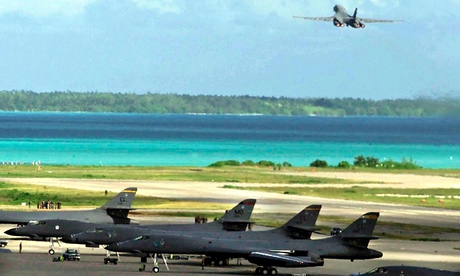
column 341, row 18
column 115, row 211
column 299, row 227
column 105, row 234
column 263, row 248
column 236, row 219
column 406, row 271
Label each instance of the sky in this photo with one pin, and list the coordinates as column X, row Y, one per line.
column 217, row 47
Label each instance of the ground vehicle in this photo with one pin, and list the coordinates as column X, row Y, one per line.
column 71, row 254
column 335, row 231
column 3, row 243
column 110, row 260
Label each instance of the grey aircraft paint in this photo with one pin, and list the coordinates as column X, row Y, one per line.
column 300, row 226
column 103, row 234
column 402, row 270
column 341, row 18
column 114, row 211
column 264, row 248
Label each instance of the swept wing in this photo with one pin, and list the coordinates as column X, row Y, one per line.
column 330, row 18
column 371, row 20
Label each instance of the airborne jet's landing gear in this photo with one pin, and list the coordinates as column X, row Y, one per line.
column 51, row 251
column 266, row 270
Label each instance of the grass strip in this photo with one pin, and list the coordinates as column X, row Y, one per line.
column 438, row 198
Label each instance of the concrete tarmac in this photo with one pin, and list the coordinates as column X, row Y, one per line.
column 34, row 260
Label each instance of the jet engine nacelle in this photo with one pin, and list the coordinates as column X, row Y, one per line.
column 357, row 24
column 338, row 23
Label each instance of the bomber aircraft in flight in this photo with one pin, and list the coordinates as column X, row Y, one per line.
column 341, row 18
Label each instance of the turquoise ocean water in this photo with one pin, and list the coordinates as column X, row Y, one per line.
column 199, row 140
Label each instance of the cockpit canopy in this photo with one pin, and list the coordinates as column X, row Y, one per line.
column 338, row 8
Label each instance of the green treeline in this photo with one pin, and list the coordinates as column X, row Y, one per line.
column 213, row 104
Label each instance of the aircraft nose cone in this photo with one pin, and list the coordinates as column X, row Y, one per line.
column 12, row 232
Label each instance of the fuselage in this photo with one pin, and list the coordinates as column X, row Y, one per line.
column 342, row 18
column 107, row 234
column 241, row 245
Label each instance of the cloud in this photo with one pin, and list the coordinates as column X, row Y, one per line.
column 44, row 8
column 162, row 6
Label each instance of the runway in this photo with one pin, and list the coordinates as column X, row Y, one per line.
column 279, row 203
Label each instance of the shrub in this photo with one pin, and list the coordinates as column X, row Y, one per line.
column 265, row 163
column 287, row 164
column 368, row 161
column 225, row 163
column 318, row 163
column 344, row 164
column 232, row 163
column 217, row 164
column 248, row 163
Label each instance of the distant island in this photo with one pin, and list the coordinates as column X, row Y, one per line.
column 213, row 104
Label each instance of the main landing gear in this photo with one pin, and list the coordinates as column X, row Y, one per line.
column 266, row 270
column 51, row 251
column 155, row 268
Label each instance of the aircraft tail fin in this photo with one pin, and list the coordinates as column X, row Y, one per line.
column 359, row 233
column 237, row 219
column 120, row 205
column 355, row 13
column 301, row 226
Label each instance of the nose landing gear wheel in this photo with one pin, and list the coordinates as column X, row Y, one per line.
column 156, row 269
column 51, row 251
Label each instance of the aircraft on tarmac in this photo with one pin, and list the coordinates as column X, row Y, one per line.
column 236, row 219
column 406, row 271
column 263, row 248
column 105, row 233
column 299, row 227
column 341, row 18
column 115, row 211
